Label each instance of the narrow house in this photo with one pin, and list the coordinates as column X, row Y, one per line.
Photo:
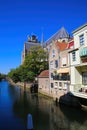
column 78, row 62
column 43, row 82
column 59, row 69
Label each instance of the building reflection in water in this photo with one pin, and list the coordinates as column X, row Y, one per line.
column 46, row 115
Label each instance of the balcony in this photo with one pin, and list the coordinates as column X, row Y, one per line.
column 64, row 78
column 79, row 91
column 83, row 52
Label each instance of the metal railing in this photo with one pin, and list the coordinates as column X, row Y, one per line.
column 79, row 91
column 65, row 78
column 77, row 87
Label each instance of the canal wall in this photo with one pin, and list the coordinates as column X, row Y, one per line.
column 45, row 94
column 66, row 99
column 20, row 84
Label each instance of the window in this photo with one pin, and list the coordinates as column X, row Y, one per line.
column 81, row 38
column 65, row 86
column 73, row 56
column 53, row 53
column 84, row 77
column 51, row 85
column 63, row 40
column 64, row 61
column 51, row 65
column 56, row 63
column 60, row 85
column 52, row 75
column 56, row 85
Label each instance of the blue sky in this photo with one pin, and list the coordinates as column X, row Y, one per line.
column 20, row 18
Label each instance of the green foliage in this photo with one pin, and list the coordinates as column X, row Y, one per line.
column 35, row 61
column 30, row 75
column 2, row 76
column 14, row 75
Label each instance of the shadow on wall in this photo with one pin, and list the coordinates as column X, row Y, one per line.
column 34, row 88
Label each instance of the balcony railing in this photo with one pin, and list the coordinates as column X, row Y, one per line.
column 64, row 78
column 79, row 91
column 79, row 88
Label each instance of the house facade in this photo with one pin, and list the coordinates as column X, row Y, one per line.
column 78, row 61
column 43, row 81
column 59, row 75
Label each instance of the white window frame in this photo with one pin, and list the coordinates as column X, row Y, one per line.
column 60, row 85
column 84, row 77
column 74, row 56
column 51, row 75
column 81, row 39
column 52, row 85
column 64, row 61
column 56, row 63
column 56, row 85
column 51, row 64
column 53, row 53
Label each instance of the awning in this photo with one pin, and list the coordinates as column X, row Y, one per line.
column 83, row 52
column 63, row 70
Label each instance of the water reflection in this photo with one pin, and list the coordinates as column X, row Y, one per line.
column 77, row 118
column 7, row 118
column 16, row 104
column 46, row 115
column 31, row 104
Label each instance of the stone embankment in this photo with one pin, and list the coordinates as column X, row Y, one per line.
column 66, row 99
column 20, row 84
column 45, row 94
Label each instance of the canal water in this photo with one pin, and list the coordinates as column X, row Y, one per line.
column 15, row 105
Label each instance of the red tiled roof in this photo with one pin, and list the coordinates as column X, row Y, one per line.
column 61, row 45
column 44, row 73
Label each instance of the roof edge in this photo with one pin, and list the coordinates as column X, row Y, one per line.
column 84, row 25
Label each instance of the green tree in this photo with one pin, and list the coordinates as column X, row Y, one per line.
column 14, row 75
column 36, row 60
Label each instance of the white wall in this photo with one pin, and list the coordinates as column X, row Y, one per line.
column 76, row 77
column 76, row 37
column 77, row 58
column 72, row 75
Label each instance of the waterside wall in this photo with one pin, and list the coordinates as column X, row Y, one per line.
column 65, row 99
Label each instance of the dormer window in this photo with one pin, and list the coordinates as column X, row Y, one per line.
column 63, row 41
column 81, row 39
